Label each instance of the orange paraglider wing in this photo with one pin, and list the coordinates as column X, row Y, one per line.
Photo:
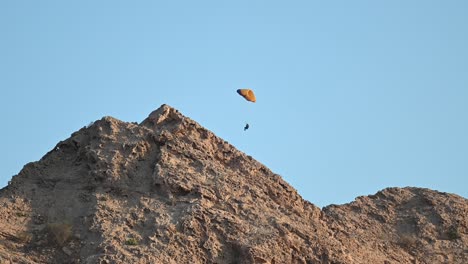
column 247, row 94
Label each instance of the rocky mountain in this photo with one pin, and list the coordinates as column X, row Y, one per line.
column 168, row 190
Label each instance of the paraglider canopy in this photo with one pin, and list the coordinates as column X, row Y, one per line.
column 247, row 94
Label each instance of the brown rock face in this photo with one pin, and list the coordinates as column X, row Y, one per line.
column 169, row 191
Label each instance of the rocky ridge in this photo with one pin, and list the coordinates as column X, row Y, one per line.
column 168, row 190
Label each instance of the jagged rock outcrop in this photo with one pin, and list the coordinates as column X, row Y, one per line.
column 170, row 191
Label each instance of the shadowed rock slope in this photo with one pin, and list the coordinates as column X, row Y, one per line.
column 169, row 191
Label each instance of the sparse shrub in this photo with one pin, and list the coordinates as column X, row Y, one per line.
column 407, row 241
column 452, row 233
column 21, row 214
column 131, row 242
column 23, row 237
column 60, row 232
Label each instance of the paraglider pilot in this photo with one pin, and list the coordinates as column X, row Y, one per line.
column 249, row 96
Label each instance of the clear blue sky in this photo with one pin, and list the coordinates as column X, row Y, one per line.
column 353, row 96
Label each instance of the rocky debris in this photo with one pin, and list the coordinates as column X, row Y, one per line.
column 170, row 191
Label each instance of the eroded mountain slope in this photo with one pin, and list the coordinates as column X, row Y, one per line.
column 170, row 191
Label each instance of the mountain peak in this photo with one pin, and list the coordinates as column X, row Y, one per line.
column 168, row 190
column 163, row 114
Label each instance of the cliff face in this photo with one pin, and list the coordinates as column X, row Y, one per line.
column 169, row 191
